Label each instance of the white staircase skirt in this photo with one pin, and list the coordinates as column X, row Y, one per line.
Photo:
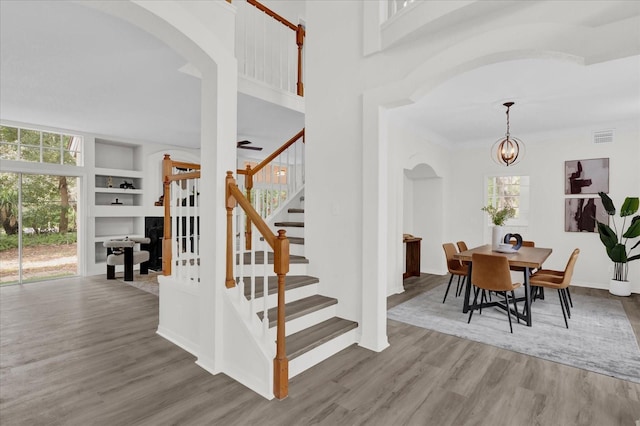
column 179, row 313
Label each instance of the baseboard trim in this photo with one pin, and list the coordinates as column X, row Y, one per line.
column 178, row 340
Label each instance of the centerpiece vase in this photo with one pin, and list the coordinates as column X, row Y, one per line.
column 496, row 237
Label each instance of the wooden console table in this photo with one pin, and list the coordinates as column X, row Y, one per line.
column 413, row 256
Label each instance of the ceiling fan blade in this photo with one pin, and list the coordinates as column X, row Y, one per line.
column 244, row 145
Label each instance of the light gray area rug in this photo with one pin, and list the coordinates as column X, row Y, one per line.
column 600, row 337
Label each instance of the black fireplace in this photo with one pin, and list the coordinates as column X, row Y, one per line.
column 154, row 230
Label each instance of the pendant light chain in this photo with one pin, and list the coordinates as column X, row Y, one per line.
column 508, row 151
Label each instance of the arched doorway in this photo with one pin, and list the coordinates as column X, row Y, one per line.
column 422, row 213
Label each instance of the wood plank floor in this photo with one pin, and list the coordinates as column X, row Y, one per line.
column 84, row 351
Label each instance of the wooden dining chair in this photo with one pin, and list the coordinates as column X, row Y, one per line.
column 491, row 273
column 525, row 243
column 462, row 246
column 513, row 242
column 559, row 280
column 455, row 268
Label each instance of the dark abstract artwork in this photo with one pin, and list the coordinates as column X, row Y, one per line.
column 580, row 214
column 586, row 176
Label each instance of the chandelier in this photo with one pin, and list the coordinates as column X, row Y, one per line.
column 508, row 150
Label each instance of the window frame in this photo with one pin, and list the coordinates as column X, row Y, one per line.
column 75, row 146
column 524, row 199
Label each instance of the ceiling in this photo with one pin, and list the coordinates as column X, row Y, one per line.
column 548, row 94
column 68, row 66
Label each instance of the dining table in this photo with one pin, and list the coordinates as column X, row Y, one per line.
column 526, row 258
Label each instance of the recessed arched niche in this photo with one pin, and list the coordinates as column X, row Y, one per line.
column 422, row 213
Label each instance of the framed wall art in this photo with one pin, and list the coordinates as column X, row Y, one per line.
column 586, row 176
column 580, row 214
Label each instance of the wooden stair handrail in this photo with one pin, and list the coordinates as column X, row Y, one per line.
column 280, row 246
column 273, row 14
column 262, row 226
column 250, row 172
column 275, row 153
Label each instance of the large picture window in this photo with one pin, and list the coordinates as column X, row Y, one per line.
column 513, row 191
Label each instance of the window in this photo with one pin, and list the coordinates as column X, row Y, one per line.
column 39, row 146
column 513, row 191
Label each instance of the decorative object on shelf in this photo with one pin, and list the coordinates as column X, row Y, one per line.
column 127, row 185
column 507, row 151
column 617, row 247
column 109, row 182
column 117, row 203
column 586, row 176
column 498, row 218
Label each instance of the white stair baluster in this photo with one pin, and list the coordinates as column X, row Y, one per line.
column 196, row 186
column 241, row 248
column 265, row 291
column 254, row 240
column 188, row 231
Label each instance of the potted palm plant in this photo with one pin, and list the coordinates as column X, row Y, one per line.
column 617, row 245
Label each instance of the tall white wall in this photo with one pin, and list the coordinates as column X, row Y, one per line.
column 333, row 200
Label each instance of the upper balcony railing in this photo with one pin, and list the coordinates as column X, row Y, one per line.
column 269, row 48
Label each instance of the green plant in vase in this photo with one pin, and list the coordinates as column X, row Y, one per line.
column 617, row 245
column 500, row 216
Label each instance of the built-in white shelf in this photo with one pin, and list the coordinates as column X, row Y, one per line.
column 119, row 191
column 119, row 173
column 117, row 211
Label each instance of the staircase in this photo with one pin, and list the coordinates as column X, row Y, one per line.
column 314, row 332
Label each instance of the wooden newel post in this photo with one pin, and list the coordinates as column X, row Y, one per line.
column 166, row 201
column 300, row 33
column 248, row 187
column 281, row 363
column 230, row 204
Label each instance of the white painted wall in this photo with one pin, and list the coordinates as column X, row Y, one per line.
column 203, row 33
column 333, row 201
column 354, row 220
column 544, row 163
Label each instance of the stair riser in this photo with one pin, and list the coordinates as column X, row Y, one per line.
column 289, row 296
column 297, row 249
column 295, row 217
column 322, row 352
column 294, row 269
column 306, row 321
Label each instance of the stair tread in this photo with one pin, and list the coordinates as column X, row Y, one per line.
column 295, row 211
column 312, row 337
column 290, row 224
column 292, row 240
column 299, row 308
column 260, row 258
column 291, row 282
